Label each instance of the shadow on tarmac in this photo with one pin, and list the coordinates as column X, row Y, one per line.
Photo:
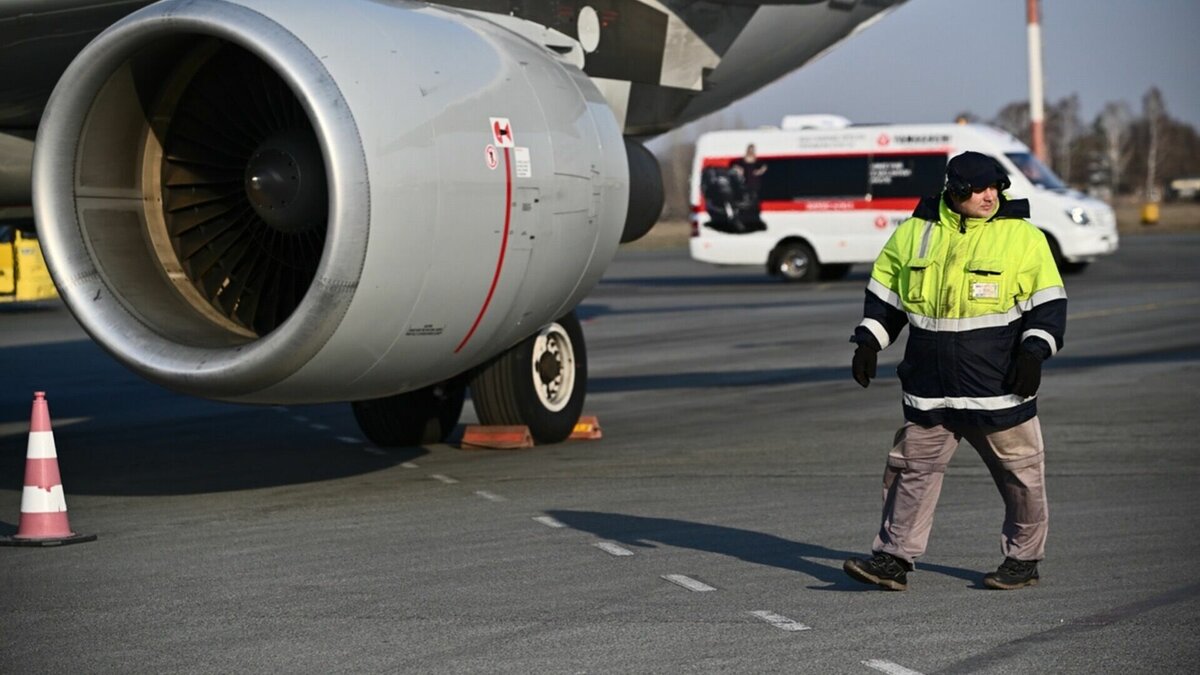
column 117, row 434
column 747, row 545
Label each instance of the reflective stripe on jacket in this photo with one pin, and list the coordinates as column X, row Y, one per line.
column 973, row 291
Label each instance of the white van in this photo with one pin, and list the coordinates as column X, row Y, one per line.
column 831, row 197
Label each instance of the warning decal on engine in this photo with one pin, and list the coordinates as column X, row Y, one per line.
column 523, row 165
column 502, row 132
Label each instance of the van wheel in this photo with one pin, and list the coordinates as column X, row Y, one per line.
column 413, row 418
column 795, row 261
column 541, row 383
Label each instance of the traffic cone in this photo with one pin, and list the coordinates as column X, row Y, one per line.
column 43, row 503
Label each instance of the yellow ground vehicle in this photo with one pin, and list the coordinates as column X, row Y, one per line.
column 23, row 273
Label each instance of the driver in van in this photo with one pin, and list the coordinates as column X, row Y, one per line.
column 985, row 305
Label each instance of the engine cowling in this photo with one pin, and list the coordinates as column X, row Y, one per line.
column 293, row 201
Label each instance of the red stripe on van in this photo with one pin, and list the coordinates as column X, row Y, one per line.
column 724, row 162
column 884, row 204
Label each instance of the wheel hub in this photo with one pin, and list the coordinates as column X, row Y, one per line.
column 548, row 367
column 553, row 367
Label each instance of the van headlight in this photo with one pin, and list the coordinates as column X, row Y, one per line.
column 1079, row 216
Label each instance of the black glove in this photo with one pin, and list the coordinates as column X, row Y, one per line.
column 863, row 365
column 1026, row 374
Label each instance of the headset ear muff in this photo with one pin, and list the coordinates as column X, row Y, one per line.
column 957, row 187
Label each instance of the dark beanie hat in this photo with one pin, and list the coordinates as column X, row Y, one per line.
column 974, row 171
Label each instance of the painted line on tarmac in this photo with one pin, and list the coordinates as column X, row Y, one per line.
column 300, row 418
column 490, row 496
column 549, row 522
column 443, row 478
column 688, row 583
column 375, row 451
column 409, row 465
column 780, row 622
column 612, row 549
column 1148, row 307
column 319, row 427
column 350, row 440
column 889, row 667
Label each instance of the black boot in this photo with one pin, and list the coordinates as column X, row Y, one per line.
column 1013, row 574
column 881, row 569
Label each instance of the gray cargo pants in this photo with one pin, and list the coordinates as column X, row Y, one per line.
column 913, row 481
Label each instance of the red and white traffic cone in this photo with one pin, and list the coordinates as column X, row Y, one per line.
column 43, row 503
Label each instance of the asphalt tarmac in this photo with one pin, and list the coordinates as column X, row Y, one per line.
column 705, row 532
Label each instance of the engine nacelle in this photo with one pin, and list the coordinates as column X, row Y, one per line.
column 301, row 201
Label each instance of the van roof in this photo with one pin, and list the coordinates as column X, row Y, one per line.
column 864, row 138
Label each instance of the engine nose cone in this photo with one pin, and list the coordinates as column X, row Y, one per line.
column 285, row 182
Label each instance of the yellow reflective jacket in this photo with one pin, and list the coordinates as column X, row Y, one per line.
column 973, row 292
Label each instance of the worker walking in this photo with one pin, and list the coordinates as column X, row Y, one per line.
column 978, row 287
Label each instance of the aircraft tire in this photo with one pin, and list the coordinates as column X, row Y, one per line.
column 541, row 383
column 413, row 418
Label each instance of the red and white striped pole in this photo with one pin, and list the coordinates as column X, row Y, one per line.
column 43, row 503
column 1036, row 107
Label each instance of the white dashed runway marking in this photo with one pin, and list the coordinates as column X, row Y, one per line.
column 548, row 521
column 688, row 583
column 889, row 667
column 611, row 548
column 780, row 622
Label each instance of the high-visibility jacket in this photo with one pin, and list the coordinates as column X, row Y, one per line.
column 973, row 291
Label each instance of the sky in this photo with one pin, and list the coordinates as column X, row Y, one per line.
column 931, row 59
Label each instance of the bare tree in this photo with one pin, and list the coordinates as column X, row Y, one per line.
column 1062, row 128
column 1114, row 125
column 1155, row 113
column 676, row 163
column 1014, row 118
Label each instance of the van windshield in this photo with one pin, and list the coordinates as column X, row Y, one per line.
column 1039, row 174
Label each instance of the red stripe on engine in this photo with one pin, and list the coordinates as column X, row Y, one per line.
column 503, row 248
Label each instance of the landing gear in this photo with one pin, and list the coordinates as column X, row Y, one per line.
column 413, row 418
column 541, row 383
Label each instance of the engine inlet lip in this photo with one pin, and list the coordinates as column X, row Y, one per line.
column 231, row 372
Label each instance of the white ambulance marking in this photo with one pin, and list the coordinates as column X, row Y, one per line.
column 443, row 478
column 490, row 496
column 780, row 622
column 688, row 583
column 549, row 522
column 613, row 549
column 889, row 667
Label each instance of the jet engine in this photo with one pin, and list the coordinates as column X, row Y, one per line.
column 286, row 201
